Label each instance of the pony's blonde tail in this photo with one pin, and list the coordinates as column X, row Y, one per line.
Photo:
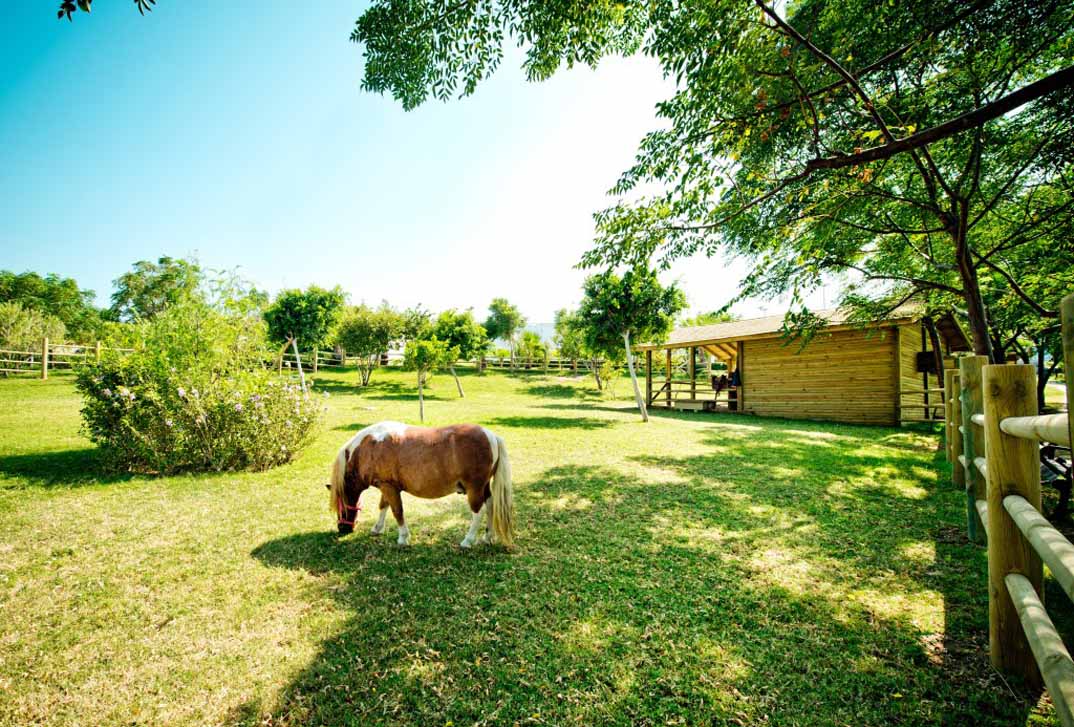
column 335, row 482
column 503, row 499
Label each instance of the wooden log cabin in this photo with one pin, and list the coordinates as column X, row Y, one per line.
column 884, row 373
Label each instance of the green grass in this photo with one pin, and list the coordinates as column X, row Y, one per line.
column 701, row 569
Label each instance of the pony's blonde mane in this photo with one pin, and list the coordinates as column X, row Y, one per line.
column 337, row 477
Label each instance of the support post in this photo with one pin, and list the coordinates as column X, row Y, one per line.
column 649, row 377
column 44, row 359
column 972, row 441
column 954, row 406
column 667, row 376
column 97, row 351
column 948, row 416
column 1066, row 315
column 1013, row 469
column 693, row 372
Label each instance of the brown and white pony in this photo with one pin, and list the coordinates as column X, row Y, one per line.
column 429, row 463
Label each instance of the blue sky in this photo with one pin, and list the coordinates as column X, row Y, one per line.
column 237, row 132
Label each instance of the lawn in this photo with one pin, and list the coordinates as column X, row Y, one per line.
column 700, row 569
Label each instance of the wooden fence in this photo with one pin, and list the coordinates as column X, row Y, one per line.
column 993, row 431
column 52, row 356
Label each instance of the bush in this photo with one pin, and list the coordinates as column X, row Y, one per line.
column 195, row 396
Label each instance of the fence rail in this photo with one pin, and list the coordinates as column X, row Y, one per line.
column 994, row 435
column 51, row 356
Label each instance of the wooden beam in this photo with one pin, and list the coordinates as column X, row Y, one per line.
column 667, row 375
column 692, row 371
column 1013, row 469
column 649, row 377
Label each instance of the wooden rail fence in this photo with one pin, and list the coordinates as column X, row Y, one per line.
column 52, row 356
column 993, row 431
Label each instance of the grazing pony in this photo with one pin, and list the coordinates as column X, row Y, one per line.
column 429, row 463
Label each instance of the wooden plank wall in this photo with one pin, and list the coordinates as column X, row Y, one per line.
column 910, row 378
column 846, row 376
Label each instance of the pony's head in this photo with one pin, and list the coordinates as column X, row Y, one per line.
column 344, row 490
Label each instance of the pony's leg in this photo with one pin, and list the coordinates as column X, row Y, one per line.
column 379, row 527
column 476, row 500
column 395, row 501
column 471, row 534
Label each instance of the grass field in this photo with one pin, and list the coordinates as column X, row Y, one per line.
column 700, row 569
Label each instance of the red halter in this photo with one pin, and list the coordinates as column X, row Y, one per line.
column 344, row 508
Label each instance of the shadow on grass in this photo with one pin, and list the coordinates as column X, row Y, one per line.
column 762, row 581
column 522, row 422
column 64, row 468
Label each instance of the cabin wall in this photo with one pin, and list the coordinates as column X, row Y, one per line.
column 844, row 376
column 910, row 379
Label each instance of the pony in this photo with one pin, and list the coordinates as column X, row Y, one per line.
column 429, row 463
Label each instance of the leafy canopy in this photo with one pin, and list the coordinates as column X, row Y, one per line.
column 876, row 142
column 305, row 315
column 54, row 296
column 634, row 304
column 150, row 287
column 504, row 321
column 427, row 354
column 461, row 332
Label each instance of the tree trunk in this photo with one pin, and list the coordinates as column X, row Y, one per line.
column 971, row 288
column 634, row 378
column 596, row 374
column 421, row 398
column 457, row 382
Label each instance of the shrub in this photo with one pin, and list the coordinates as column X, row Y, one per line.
column 195, row 396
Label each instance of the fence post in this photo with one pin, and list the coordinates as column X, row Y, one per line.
column 97, row 351
column 1013, row 469
column 44, row 360
column 1066, row 314
column 972, row 440
column 315, row 357
column 948, row 417
column 954, row 408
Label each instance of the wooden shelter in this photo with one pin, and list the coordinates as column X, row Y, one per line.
column 884, row 373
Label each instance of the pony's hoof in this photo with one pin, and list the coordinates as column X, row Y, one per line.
column 466, row 544
column 403, row 541
column 375, row 531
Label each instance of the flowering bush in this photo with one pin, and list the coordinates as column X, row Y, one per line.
column 196, row 396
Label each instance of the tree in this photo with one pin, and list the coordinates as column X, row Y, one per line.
column 531, row 347
column 414, row 323
column 151, row 287
column 55, row 296
column 367, row 333
column 813, row 137
column 708, row 319
column 616, row 309
column 425, row 355
column 461, row 332
column 570, row 339
column 23, row 329
column 504, row 322
column 304, row 316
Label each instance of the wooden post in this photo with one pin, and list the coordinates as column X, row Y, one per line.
column 740, row 366
column 972, row 440
column 1066, row 314
column 649, row 377
column 315, row 357
column 44, row 360
column 1013, row 469
column 954, row 393
column 667, row 376
column 692, row 370
column 948, row 416
column 98, row 351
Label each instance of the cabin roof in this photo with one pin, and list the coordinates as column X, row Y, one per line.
column 770, row 326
